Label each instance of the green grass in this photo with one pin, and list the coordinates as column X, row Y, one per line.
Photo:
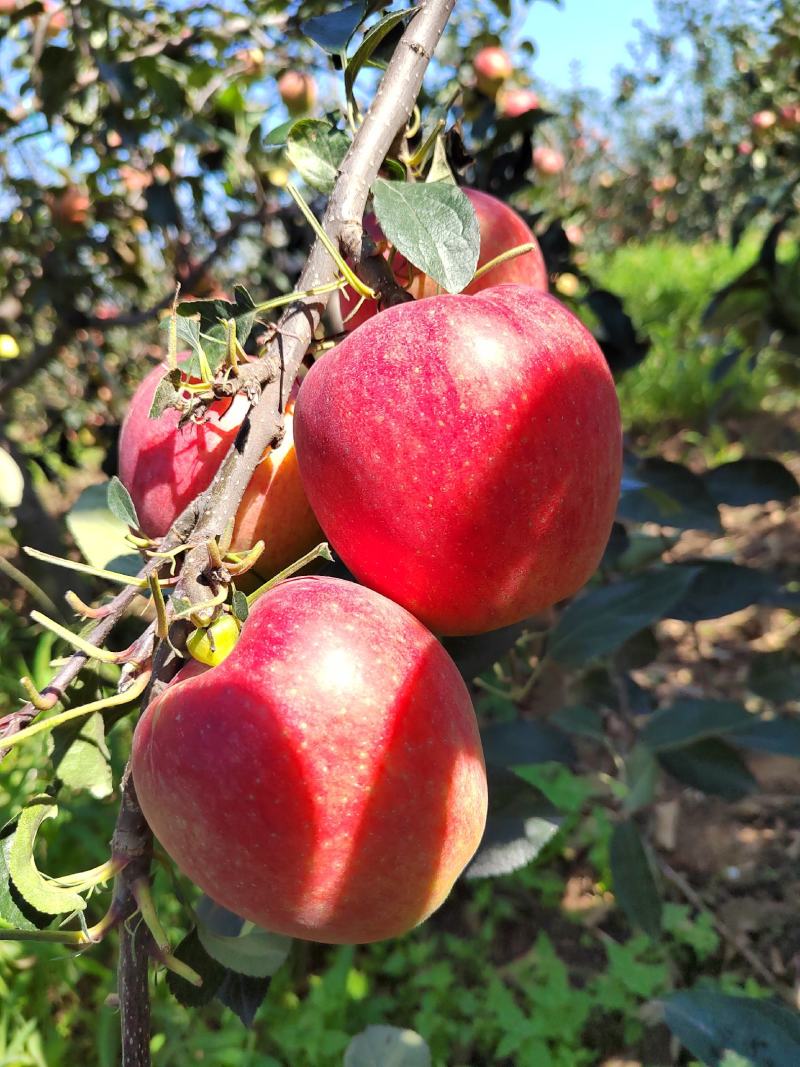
column 665, row 286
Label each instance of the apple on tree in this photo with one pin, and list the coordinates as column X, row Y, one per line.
column 492, row 67
column 547, row 161
column 501, row 229
column 463, row 455
column 354, row 789
column 515, row 101
column 164, row 466
column 298, row 91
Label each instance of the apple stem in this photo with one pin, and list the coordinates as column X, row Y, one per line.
column 300, row 294
column 143, row 895
column 85, row 568
column 86, row 611
column 321, row 550
column 512, row 253
column 352, row 278
column 118, row 699
column 246, row 561
column 92, row 651
column 39, row 701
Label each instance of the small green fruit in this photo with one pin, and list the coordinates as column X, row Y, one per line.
column 214, row 644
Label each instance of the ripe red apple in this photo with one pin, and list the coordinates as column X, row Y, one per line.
column 463, row 455
column 327, row 780
column 547, row 161
column 514, row 101
column 501, row 229
column 298, row 92
column 164, row 467
column 492, row 66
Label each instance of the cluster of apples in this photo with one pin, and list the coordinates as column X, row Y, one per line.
column 462, row 456
column 493, row 69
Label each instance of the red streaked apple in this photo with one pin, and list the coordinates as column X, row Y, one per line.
column 327, row 780
column 501, row 229
column 463, row 455
column 164, row 466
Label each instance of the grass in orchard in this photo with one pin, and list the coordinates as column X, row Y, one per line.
column 665, row 286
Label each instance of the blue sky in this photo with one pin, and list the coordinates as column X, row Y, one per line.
column 593, row 33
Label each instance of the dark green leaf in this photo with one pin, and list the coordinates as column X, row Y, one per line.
column 239, row 605
column 586, row 722
column 641, row 775
column 237, row 944
column 474, row 655
column 100, row 535
column 191, row 952
column 687, row 721
column 673, row 496
column 372, row 38
column 243, row 995
column 120, row 504
column 603, row 619
column 333, row 31
column 634, row 883
column 317, row 149
column 44, row 894
column 712, row 766
column 387, row 1046
column 510, row 744
column 433, row 225
column 213, row 316
column 720, row 588
column 710, row 1024
column 775, row 676
column 779, row 736
column 751, row 481
column 279, row 134
column 162, row 210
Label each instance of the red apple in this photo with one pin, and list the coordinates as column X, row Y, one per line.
column 790, row 116
column 164, row 467
column 513, row 102
column 463, row 455
column 547, row 161
column 327, row 780
column 492, row 66
column 8, row 7
column 745, row 148
column 501, row 229
column 298, row 92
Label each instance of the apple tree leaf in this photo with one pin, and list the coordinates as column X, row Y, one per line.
column 333, row 31
column 99, row 534
column 238, row 944
column 433, row 225
column 44, row 894
column 634, row 883
column 387, row 1046
column 317, row 149
column 751, row 481
column 81, row 757
column 687, row 721
column 120, row 504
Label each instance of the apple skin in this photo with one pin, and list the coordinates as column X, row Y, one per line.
column 327, row 781
column 547, row 161
column 164, row 467
column 298, row 92
column 515, row 101
column 501, row 229
column 492, row 66
column 463, row 455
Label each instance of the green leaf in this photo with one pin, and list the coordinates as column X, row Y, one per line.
column 213, row 316
column 239, row 605
column 720, row 588
column 387, row 1046
column 81, row 757
column 237, row 944
column 603, row 619
column 712, row 766
column 11, row 917
column 317, row 149
column 120, row 504
column 641, row 773
column 99, row 534
column 671, row 495
column 278, row 134
column 439, row 170
column 433, row 225
column 243, row 995
column 751, row 481
column 511, row 744
column 511, row 842
column 166, row 394
column 44, row 894
column 687, row 721
column 12, row 482
column 372, row 38
column 711, row 1024
column 634, row 883
column 333, row 31
column 775, row 676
